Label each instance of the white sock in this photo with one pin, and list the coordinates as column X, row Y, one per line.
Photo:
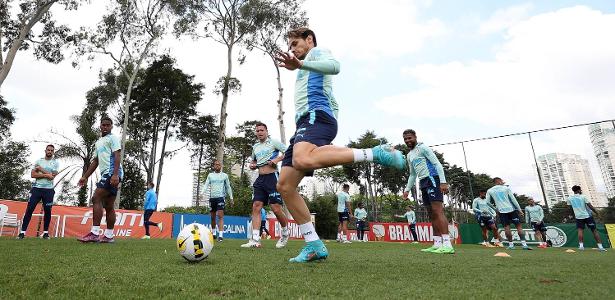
column 446, row 240
column 284, row 231
column 580, row 244
column 344, row 237
column 437, row 241
column 95, row 230
column 109, row 233
column 363, row 155
column 600, row 246
column 524, row 243
column 221, row 234
column 511, row 244
column 339, row 236
column 309, row 232
column 23, row 231
column 255, row 236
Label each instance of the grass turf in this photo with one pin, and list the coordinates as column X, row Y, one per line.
column 65, row 268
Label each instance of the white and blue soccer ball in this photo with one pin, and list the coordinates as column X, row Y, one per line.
column 195, row 242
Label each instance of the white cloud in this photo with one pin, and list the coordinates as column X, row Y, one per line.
column 503, row 19
column 553, row 69
column 366, row 29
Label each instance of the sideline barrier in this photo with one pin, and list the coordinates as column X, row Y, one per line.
column 234, row 227
column 400, row 232
column 71, row 221
column 561, row 235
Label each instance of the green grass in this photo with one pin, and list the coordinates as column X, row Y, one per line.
column 64, row 268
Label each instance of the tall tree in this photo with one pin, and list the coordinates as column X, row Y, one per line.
column 165, row 98
column 128, row 34
column 32, row 26
column 13, row 166
column 229, row 22
column 7, row 118
column 271, row 38
column 201, row 134
column 240, row 146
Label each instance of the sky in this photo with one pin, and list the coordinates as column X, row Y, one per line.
column 451, row 70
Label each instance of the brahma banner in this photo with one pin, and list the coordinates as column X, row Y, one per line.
column 400, row 232
column 275, row 229
column 70, row 221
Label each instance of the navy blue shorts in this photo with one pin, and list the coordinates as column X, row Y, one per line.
column 38, row 194
column 430, row 190
column 539, row 226
column 265, row 189
column 216, row 204
column 591, row 224
column 510, row 218
column 105, row 183
column 486, row 222
column 343, row 216
column 317, row 128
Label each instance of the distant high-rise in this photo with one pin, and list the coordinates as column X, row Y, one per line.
column 602, row 137
column 562, row 171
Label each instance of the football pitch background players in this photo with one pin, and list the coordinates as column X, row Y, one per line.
column 534, row 215
column 107, row 160
column 266, row 154
column 343, row 214
column 218, row 186
column 310, row 147
column 44, row 171
column 361, row 215
column 485, row 216
column 425, row 166
column 581, row 207
column 149, row 206
column 509, row 210
column 410, row 215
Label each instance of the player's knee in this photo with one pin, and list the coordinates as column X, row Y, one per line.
column 284, row 188
column 303, row 163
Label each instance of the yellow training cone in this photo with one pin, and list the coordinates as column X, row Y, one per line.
column 570, row 251
column 501, row 254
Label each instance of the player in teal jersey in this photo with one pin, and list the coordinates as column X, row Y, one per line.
column 344, row 214
column 217, row 186
column 534, row 215
column 44, row 171
column 485, row 216
column 266, row 154
column 361, row 215
column 107, row 159
column 410, row 215
column 581, row 208
column 425, row 166
column 509, row 210
column 316, row 119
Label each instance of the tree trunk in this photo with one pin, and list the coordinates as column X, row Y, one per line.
column 225, row 91
column 280, row 104
column 127, row 109
column 162, row 155
column 198, row 176
column 18, row 42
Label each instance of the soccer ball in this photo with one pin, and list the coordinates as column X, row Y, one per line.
column 195, row 242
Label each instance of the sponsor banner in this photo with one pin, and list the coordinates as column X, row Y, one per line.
column 400, row 232
column 71, row 221
column 234, row 227
column 560, row 235
column 610, row 228
column 275, row 229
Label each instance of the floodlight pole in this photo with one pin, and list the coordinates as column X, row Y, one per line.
column 542, row 188
column 465, row 159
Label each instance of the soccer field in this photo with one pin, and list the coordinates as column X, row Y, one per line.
column 65, row 268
